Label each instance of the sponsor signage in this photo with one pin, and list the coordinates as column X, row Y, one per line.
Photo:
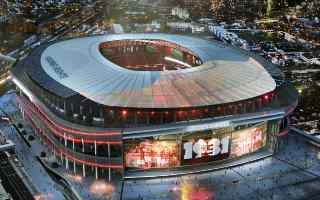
column 204, row 150
column 223, row 146
column 208, row 126
column 56, row 68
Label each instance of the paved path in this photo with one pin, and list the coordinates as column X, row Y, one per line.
column 293, row 173
column 27, row 157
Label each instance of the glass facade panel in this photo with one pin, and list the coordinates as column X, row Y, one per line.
column 248, row 140
column 194, row 148
column 151, row 154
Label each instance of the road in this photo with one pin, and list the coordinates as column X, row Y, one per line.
column 293, row 173
column 27, row 156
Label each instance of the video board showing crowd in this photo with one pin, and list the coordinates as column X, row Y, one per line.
column 196, row 148
column 248, row 140
column 151, row 154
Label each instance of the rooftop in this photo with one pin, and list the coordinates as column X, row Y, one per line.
column 226, row 75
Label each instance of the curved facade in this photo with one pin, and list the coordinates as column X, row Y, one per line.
column 122, row 103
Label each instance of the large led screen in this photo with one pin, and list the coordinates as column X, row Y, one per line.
column 205, row 146
column 248, row 140
column 151, row 154
column 220, row 144
column 194, row 148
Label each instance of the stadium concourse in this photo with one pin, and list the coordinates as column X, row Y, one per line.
column 130, row 105
column 293, row 172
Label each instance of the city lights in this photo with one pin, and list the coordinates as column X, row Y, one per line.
column 101, row 188
column 124, row 113
column 159, row 99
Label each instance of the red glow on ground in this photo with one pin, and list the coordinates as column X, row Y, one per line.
column 101, row 189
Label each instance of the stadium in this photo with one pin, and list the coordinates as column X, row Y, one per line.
column 119, row 105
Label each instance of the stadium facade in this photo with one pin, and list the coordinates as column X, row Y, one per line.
column 121, row 104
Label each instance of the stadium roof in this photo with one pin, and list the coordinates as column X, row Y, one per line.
column 227, row 74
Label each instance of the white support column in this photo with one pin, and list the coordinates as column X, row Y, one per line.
column 96, row 173
column 65, row 139
column 83, row 171
column 73, row 144
column 109, row 169
column 109, row 153
column 74, row 167
column 40, row 134
column 82, row 145
column 67, row 163
column 65, row 107
column 95, row 153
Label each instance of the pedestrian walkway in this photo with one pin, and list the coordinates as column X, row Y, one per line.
column 27, row 156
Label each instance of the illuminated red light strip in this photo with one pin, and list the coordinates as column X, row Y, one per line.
column 109, row 133
column 74, row 139
column 283, row 133
column 78, row 139
column 77, row 131
column 115, row 166
column 290, row 110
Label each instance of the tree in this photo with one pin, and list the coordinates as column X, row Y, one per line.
column 30, row 138
column 43, row 154
column 200, row 8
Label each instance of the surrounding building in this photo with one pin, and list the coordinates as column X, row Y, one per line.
column 198, row 8
column 238, row 9
column 4, row 15
column 3, row 194
column 13, row 182
column 182, row 13
column 115, row 105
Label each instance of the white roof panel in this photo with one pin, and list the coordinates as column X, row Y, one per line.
column 227, row 75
